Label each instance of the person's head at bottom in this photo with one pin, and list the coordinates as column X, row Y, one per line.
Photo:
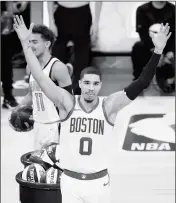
column 90, row 84
column 41, row 40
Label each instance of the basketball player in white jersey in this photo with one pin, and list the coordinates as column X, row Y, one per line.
column 87, row 121
column 45, row 113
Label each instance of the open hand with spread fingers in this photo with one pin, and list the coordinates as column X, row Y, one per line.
column 21, row 29
column 160, row 39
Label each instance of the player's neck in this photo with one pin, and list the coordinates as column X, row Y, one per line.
column 158, row 6
column 43, row 59
column 73, row 4
column 88, row 106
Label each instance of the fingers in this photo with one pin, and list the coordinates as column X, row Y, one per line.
column 15, row 23
column 15, row 27
column 165, row 29
column 161, row 28
column 31, row 26
column 21, row 18
column 18, row 21
column 169, row 35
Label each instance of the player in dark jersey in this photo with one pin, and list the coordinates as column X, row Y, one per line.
column 88, row 182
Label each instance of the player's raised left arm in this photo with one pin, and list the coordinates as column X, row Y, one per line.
column 60, row 97
column 115, row 102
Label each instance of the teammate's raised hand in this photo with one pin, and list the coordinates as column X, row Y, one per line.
column 21, row 29
column 160, row 39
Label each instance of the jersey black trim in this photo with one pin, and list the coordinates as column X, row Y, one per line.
column 51, row 72
column 29, row 77
column 42, row 68
column 47, row 63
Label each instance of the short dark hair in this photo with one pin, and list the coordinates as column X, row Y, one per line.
column 45, row 32
column 90, row 70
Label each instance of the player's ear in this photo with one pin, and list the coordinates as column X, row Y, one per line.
column 80, row 83
column 101, row 83
column 47, row 44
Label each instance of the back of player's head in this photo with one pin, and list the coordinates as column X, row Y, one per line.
column 45, row 33
column 90, row 70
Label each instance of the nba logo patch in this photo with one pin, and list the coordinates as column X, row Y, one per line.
column 150, row 132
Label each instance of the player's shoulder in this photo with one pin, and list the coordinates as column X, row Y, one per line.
column 58, row 65
column 144, row 7
column 58, row 69
column 119, row 97
column 170, row 5
column 101, row 99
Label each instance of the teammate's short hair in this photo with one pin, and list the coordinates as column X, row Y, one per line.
column 45, row 32
column 90, row 70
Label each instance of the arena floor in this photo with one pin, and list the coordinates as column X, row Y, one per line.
column 140, row 172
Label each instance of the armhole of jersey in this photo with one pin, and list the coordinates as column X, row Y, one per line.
column 71, row 111
column 51, row 73
column 105, row 115
column 29, row 76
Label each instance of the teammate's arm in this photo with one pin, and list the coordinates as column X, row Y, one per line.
column 115, row 102
column 60, row 97
column 61, row 75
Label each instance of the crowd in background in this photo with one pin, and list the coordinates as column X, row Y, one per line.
column 11, row 49
column 76, row 32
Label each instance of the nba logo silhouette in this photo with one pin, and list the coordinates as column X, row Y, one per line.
column 151, row 132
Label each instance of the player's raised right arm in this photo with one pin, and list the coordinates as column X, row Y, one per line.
column 60, row 97
column 116, row 101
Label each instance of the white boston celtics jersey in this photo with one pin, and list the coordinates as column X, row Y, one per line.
column 85, row 138
column 44, row 111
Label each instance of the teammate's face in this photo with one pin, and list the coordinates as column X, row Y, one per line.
column 38, row 44
column 90, row 86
